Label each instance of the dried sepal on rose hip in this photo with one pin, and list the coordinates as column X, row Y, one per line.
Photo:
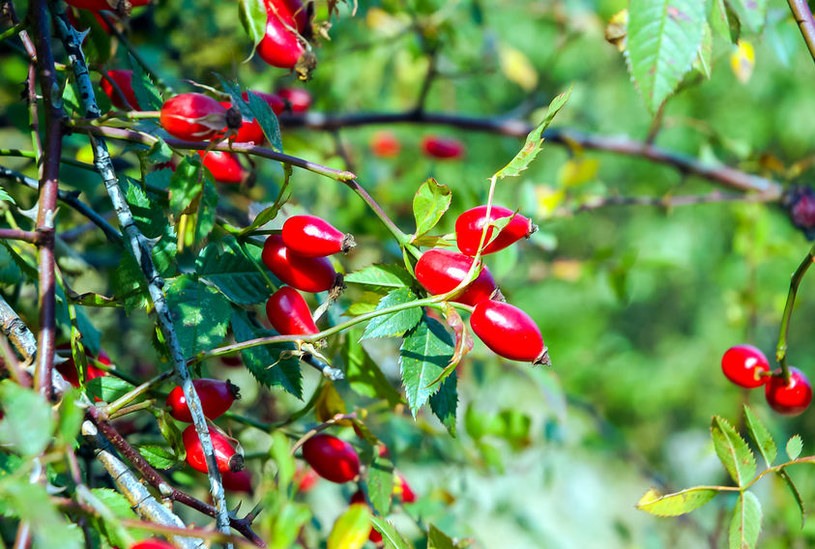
column 440, row 271
column 311, row 236
column 331, row 458
column 216, row 398
column 193, row 117
column 227, row 458
column 746, row 366
column 789, row 397
column 308, row 274
column 508, row 332
column 470, row 225
column 289, row 314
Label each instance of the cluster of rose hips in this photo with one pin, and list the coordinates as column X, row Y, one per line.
column 384, row 144
column 746, row 366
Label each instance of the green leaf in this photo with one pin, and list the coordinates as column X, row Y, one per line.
column 70, row 416
column 171, row 433
column 5, row 197
column 424, row 353
column 364, row 375
column 226, row 265
column 114, row 501
column 534, row 141
column 385, row 276
column 200, row 314
column 252, row 14
column 752, row 13
column 746, row 523
column 265, row 362
column 97, row 48
column 32, row 504
column 436, row 539
column 795, row 493
column 429, row 205
column 287, row 523
column 267, row 119
column 158, row 456
column 205, row 217
column 10, row 272
column 394, row 324
column 724, row 20
column 761, row 436
column 733, row 452
column 108, row 388
column 664, row 37
column 390, row 537
column 704, row 60
column 794, row 447
column 147, row 94
column 351, row 530
column 129, row 285
column 444, row 403
column 280, row 453
column 673, row 505
column 266, row 215
column 186, row 184
column 380, row 484
column 28, row 425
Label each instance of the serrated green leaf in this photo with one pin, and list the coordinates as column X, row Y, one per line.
column 200, row 314
column 663, row 40
column 266, row 215
column 252, row 14
column 429, row 205
column 390, row 536
column 171, row 433
column 186, row 184
column 351, row 529
column 363, row 374
column 28, row 425
column 380, row 484
column 158, row 456
column 147, row 94
column 108, row 388
column 752, row 13
column 436, row 539
column 673, row 505
column 265, row 362
column 226, row 265
column 794, row 446
column 534, row 141
column 394, row 324
column 424, row 353
column 267, row 119
column 746, row 523
column 129, row 285
column 761, row 436
column 385, row 276
column 444, row 403
column 10, row 272
column 114, row 501
column 795, row 493
column 733, row 451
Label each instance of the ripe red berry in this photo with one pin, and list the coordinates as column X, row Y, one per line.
column 788, row 397
column 281, row 46
column 102, row 5
column 439, row 271
column 745, row 366
column 193, row 117
column 332, row 458
column 153, row 544
column 442, row 148
column 401, row 489
column 216, row 398
column 289, row 314
column 298, row 99
column 70, row 373
column 310, row 236
column 308, row 274
column 237, row 482
column 232, row 361
column 224, row 167
column 304, row 479
column 250, row 130
column 384, row 144
column 225, row 455
column 123, row 80
column 508, row 331
column 470, row 224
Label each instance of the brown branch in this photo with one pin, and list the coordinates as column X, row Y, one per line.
column 719, row 174
column 19, row 234
column 666, row 201
column 803, row 16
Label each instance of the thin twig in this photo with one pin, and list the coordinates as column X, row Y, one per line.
column 806, row 23
column 795, row 281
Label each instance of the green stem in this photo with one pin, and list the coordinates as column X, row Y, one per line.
column 33, row 155
column 402, row 238
column 132, row 408
column 795, row 281
column 120, row 115
column 13, row 31
column 132, row 395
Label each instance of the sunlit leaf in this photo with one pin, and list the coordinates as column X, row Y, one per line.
column 746, row 522
column 673, row 505
column 733, row 451
column 761, row 436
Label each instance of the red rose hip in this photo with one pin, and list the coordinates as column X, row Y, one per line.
column 745, row 366
column 298, row 99
column 289, row 314
column 193, row 117
column 331, row 458
column 385, row 144
column 124, row 80
column 308, row 274
column 439, row 271
column 282, row 46
column 310, row 236
column 508, row 331
column 153, row 544
column 216, row 398
column 250, row 130
column 470, row 224
column 225, row 455
column 442, row 148
column 237, row 482
column 788, row 397
column 224, row 167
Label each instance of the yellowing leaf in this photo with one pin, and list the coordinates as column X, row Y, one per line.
column 548, row 200
column 517, row 67
column 351, row 529
column 743, row 60
column 577, row 171
column 329, row 404
column 617, row 29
